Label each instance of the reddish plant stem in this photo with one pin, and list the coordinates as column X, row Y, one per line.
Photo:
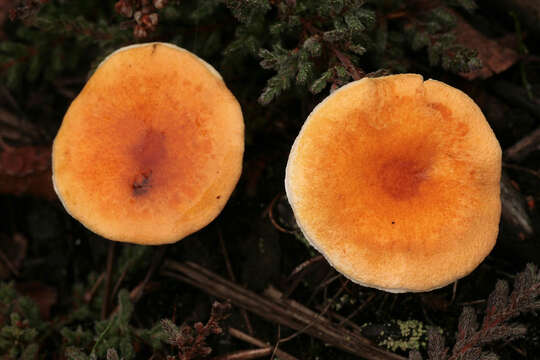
column 489, row 324
column 344, row 59
column 90, row 293
column 347, row 63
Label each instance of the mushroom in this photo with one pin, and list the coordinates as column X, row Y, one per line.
column 395, row 180
column 151, row 149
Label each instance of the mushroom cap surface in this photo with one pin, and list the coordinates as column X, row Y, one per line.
column 395, row 180
column 151, row 149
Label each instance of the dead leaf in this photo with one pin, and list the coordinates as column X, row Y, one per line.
column 495, row 57
column 27, row 171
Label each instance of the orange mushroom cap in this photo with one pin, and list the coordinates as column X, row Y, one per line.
column 151, row 149
column 395, row 180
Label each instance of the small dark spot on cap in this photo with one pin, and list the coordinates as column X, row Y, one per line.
column 153, row 48
column 142, row 183
column 218, row 197
column 393, row 222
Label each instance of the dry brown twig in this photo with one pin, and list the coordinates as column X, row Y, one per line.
column 273, row 307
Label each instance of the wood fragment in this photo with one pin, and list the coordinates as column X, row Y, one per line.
column 277, row 310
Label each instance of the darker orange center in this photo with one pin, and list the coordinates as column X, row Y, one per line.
column 148, row 154
column 401, row 178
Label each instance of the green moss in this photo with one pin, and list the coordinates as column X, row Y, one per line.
column 413, row 336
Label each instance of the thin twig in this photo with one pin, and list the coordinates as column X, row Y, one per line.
column 522, row 169
column 253, row 341
column 518, row 350
column 343, row 321
column 271, row 216
column 514, row 211
column 277, row 309
column 396, row 15
column 328, row 279
column 358, row 309
column 245, row 354
column 243, row 312
column 102, row 336
column 454, row 291
column 319, row 315
column 347, row 63
column 276, row 346
column 523, row 147
column 108, row 281
column 120, row 279
column 304, row 265
column 8, row 263
column 474, row 302
column 137, row 292
column 302, row 270
column 90, row 293
column 383, row 302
